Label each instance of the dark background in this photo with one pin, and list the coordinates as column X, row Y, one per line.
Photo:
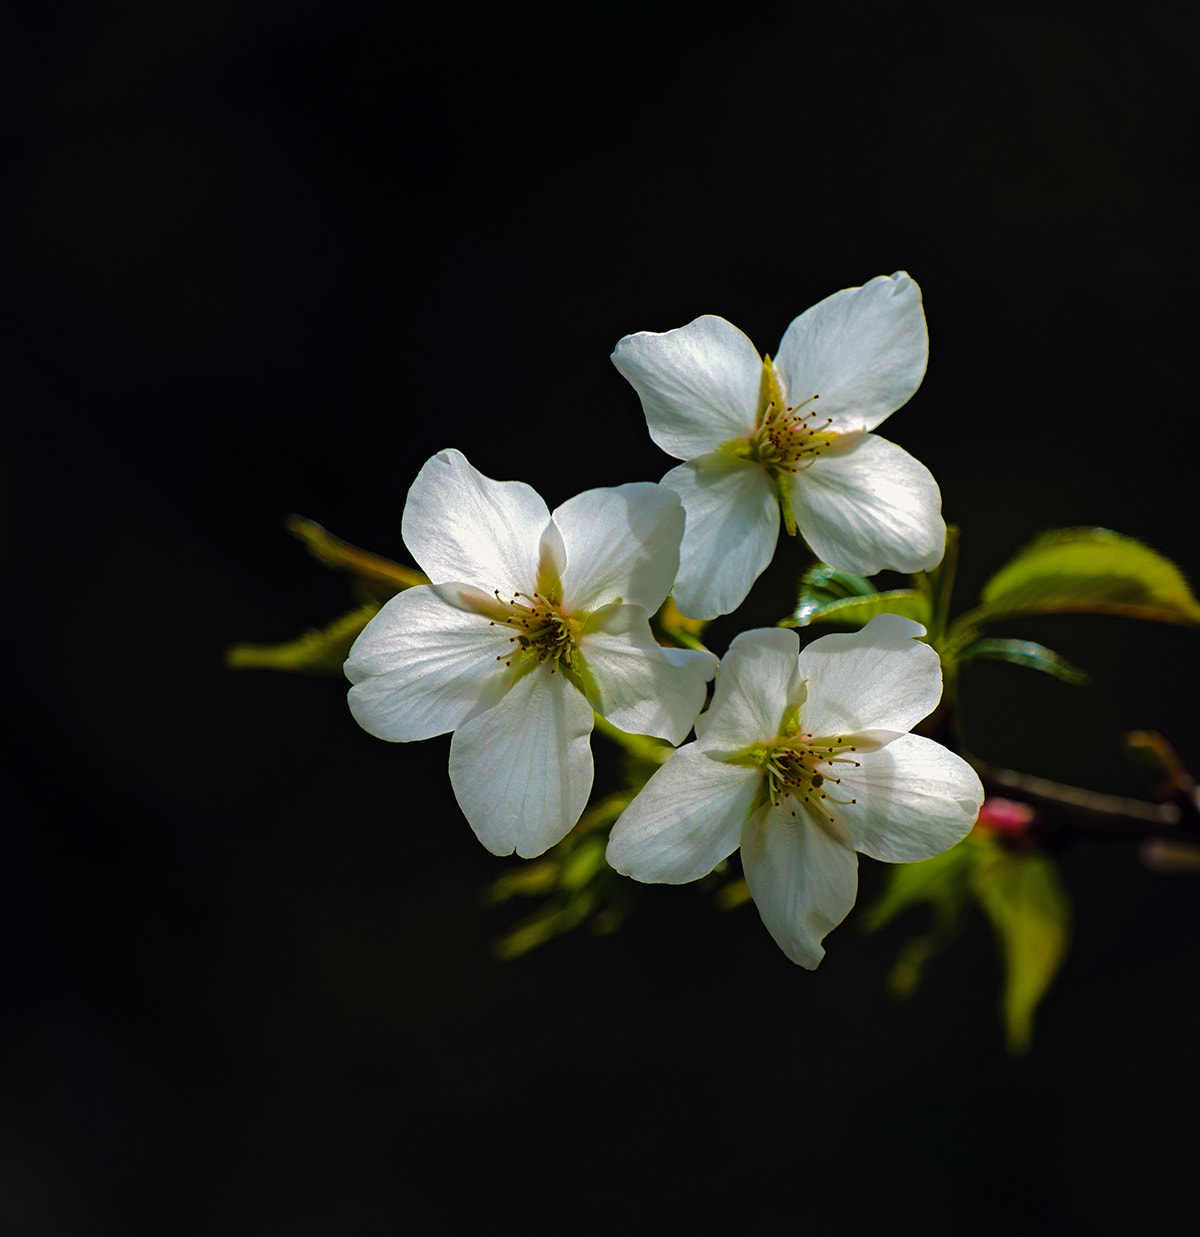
column 265, row 257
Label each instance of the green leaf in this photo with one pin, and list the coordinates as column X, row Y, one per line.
column 907, row 971
column 911, row 883
column 315, row 652
column 1023, row 897
column 574, row 880
column 942, row 883
column 1020, row 893
column 822, row 584
column 831, row 596
column 859, row 611
column 1025, row 653
column 555, row 918
column 382, row 577
column 1090, row 570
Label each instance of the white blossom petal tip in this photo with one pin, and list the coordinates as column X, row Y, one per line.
column 806, row 756
column 501, row 648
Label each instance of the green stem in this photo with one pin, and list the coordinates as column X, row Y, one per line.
column 783, row 489
column 682, row 638
column 943, row 582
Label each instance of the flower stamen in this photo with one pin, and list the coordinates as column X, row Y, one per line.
column 789, row 437
column 544, row 632
column 801, row 767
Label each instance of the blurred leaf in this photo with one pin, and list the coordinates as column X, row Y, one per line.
column 573, row 878
column 315, row 652
column 1157, row 761
column 677, row 627
column 911, row 883
column 535, row 879
column 940, row 882
column 907, row 971
column 553, row 919
column 382, row 577
column 1090, row 570
column 1022, row 895
column 734, row 894
column 584, row 863
column 1025, row 653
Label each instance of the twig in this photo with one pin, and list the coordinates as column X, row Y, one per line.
column 1089, row 812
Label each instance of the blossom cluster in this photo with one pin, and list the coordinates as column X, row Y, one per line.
column 534, row 622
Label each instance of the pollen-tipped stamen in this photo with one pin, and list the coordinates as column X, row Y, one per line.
column 796, row 769
column 789, row 437
column 545, row 632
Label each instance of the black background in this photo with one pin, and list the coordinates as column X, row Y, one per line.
column 268, row 257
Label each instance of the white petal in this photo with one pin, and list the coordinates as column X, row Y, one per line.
column 634, row 683
column 879, row 678
column 913, row 798
column 522, row 770
column 862, row 350
column 622, row 544
column 686, row 820
column 758, row 683
column 460, row 525
column 552, row 561
column 424, row 663
column 732, row 527
column 869, row 508
column 803, row 880
column 699, row 385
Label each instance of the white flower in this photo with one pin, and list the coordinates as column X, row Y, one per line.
column 795, row 432
column 531, row 622
column 802, row 761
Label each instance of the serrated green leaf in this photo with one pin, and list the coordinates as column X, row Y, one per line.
column 1090, row 570
column 1025, row 653
column 1023, row 897
column 315, row 652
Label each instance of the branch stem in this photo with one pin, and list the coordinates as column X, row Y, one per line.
column 1089, row 812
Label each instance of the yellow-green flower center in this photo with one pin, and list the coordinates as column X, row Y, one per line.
column 788, row 438
column 543, row 632
column 802, row 769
